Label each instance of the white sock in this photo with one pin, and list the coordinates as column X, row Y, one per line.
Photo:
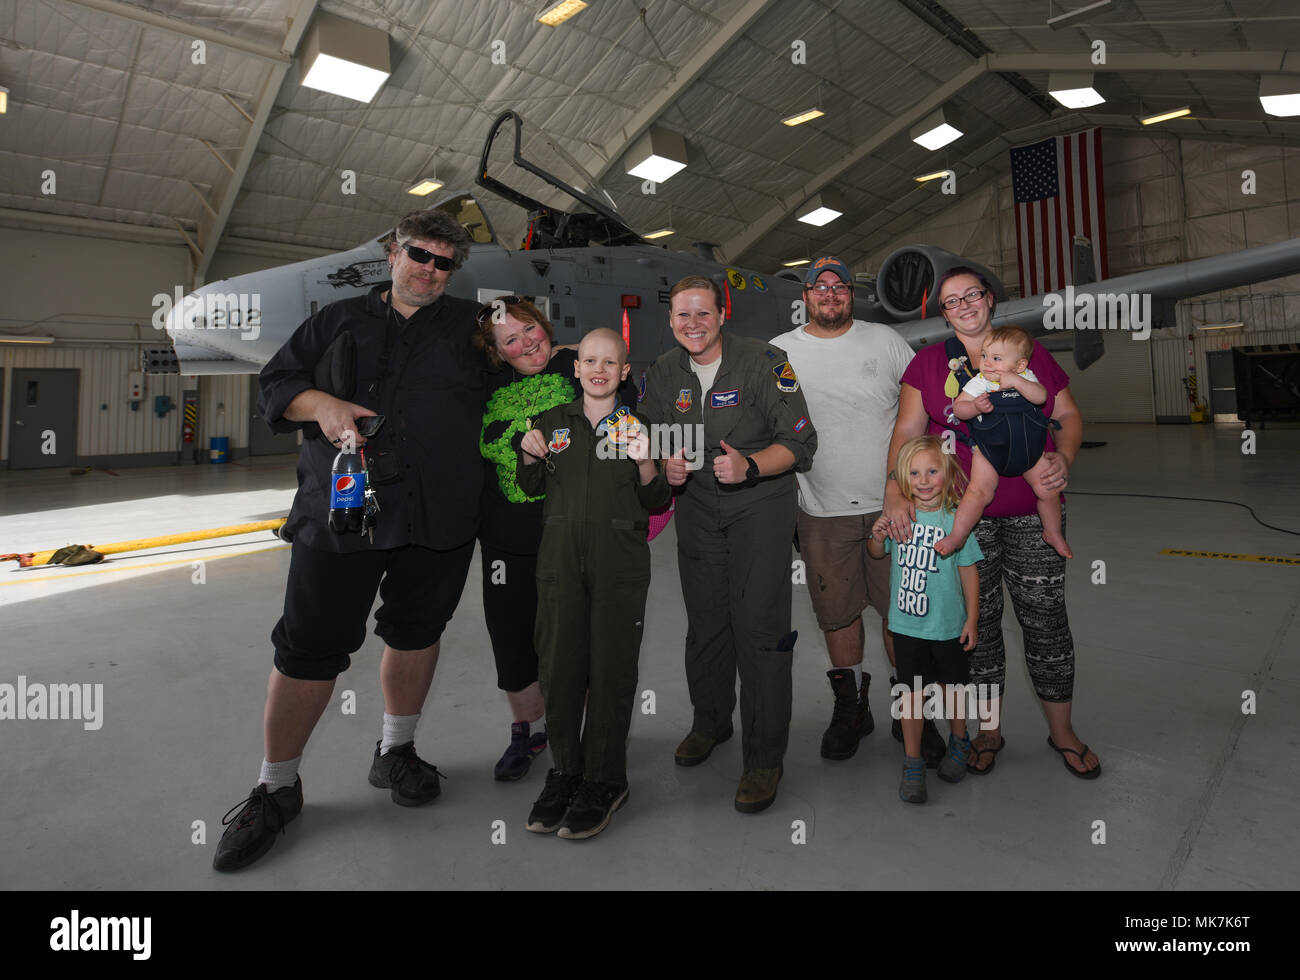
column 278, row 775
column 537, row 726
column 857, row 676
column 398, row 730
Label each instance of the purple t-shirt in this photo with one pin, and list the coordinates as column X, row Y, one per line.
column 927, row 374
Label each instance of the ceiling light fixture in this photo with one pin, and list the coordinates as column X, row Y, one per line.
column 933, row 175
column 1073, row 89
column 821, row 209
column 1069, row 17
column 792, row 263
column 1280, row 94
column 426, row 186
column 802, row 117
column 1165, row 116
column 4, row 100
column 660, row 233
column 558, row 13
column 935, row 131
column 9, row 338
column 345, row 58
column 656, row 155
column 1234, row 325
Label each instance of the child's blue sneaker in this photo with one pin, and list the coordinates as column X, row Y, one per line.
column 953, row 767
column 912, row 788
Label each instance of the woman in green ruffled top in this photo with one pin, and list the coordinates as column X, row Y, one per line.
column 533, row 374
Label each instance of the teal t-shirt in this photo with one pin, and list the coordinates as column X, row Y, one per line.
column 926, row 589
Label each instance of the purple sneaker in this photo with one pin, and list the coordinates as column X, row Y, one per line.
column 518, row 757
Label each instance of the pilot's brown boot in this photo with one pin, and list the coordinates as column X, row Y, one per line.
column 696, row 747
column 851, row 719
column 757, row 789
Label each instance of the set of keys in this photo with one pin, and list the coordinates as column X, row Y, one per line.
column 370, row 511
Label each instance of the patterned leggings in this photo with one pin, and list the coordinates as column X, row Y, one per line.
column 1015, row 552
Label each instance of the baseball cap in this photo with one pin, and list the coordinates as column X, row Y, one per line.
column 823, row 264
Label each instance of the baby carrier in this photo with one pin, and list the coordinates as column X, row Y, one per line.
column 1014, row 435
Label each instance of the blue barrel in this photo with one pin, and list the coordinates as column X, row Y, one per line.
column 219, row 449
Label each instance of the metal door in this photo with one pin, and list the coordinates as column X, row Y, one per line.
column 43, row 417
column 261, row 440
column 1223, row 385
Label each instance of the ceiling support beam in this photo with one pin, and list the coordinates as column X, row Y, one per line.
column 180, row 28
column 734, row 247
column 611, row 152
column 212, row 227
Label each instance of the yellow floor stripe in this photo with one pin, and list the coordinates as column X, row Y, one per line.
column 1270, row 559
column 120, row 566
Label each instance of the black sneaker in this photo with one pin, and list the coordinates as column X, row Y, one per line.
column 252, row 832
column 413, row 782
column 593, row 804
column 551, row 806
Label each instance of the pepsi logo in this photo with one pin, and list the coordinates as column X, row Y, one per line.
column 345, row 484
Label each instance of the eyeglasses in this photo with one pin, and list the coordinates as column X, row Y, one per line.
column 822, row 288
column 421, row 256
column 485, row 313
column 973, row 296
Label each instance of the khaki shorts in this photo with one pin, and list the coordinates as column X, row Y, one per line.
column 843, row 579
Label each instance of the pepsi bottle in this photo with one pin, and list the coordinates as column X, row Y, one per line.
column 347, row 493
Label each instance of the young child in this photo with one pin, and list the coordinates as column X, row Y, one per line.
column 935, row 611
column 591, row 459
column 1004, row 377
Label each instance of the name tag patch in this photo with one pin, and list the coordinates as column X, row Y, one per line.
column 725, row 399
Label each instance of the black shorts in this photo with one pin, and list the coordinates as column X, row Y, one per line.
column 934, row 661
column 329, row 595
column 510, row 611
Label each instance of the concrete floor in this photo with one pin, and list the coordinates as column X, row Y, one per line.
column 1195, row 794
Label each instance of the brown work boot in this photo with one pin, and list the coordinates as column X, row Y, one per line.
column 696, row 747
column 933, row 747
column 757, row 789
column 851, row 719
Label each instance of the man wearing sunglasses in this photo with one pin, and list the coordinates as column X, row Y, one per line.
column 415, row 366
column 850, row 371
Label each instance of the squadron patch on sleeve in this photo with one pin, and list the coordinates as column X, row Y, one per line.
column 803, row 421
column 787, row 382
column 559, row 441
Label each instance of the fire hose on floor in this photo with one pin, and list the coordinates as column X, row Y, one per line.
column 87, row 554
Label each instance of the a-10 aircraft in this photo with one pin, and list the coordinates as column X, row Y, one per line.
column 586, row 269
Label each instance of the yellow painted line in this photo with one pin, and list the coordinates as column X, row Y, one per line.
column 1269, row 559
column 128, row 568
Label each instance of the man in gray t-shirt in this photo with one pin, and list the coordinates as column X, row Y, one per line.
column 850, row 373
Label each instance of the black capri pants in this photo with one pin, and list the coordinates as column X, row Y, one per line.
column 329, row 595
column 510, row 611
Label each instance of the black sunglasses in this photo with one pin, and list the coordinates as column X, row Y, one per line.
column 488, row 309
column 423, row 255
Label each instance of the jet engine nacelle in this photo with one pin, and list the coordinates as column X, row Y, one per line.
column 907, row 278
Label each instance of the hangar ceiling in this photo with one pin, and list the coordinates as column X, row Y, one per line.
column 148, row 144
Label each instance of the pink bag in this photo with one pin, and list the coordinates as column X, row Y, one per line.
column 659, row 519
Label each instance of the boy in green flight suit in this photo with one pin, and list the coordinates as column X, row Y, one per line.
column 591, row 458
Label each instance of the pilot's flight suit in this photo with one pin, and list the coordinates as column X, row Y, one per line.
column 593, row 572
column 733, row 541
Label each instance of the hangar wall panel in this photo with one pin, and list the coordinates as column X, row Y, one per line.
column 1118, row 387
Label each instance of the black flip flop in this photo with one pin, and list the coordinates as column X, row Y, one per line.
column 1002, row 744
column 1082, row 774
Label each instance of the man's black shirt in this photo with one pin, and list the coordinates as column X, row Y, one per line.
column 434, row 402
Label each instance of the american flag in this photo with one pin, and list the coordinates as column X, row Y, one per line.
column 1059, row 194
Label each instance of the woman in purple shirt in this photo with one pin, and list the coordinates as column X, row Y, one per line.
column 1010, row 533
